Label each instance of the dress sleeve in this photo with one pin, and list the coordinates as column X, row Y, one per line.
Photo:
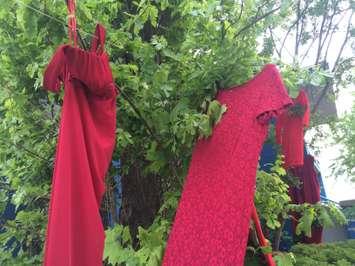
column 273, row 97
column 54, row 73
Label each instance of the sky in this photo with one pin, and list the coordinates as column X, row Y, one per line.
column 340, row 188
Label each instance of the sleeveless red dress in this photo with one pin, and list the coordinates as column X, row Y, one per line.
column 75, row 234
column 212, row 221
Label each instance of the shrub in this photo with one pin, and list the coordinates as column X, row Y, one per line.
column 338, row 253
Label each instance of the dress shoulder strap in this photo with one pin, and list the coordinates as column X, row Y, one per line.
column 72, row 22
column 98, row 40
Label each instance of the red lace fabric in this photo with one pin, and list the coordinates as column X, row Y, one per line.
column 75, row 234
column 290, row 132
column 212, row 221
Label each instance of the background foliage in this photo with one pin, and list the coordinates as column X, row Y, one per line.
column 338, row 253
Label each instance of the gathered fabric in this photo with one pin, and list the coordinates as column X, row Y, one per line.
column 75, row 234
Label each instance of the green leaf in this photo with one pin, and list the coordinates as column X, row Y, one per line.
column 266, row 249
column 285, row 259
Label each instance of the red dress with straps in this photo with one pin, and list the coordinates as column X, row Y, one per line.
column 212, row 221
column 75, row 234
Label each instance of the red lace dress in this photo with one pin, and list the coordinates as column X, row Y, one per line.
column 290, row 132
column 75, row 234
column 212, row 221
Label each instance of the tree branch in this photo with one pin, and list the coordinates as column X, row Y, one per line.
column 300, row 35
column 241, row 10
column 308, row 49
column 331, row 36
column 297, row 27
column 344, row 42
column 256, row 20
column 319, row 51
column 274, row 43
column 330, row 83
column 293, row 24
column 136, row 110
column 31, row 153
column 329, row 25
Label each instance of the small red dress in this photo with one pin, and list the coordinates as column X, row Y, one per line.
column 290, row 132
column 212, row 221
column 75, row 234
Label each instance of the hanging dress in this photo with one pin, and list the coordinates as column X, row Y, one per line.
column 290, row 132
column 212, row 221
column 75, row 234
column 309, row 192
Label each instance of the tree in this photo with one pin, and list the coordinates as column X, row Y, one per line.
column 169, row 58
column 344, row 132
column 315, row 38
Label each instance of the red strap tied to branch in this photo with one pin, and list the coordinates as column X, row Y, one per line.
column 72, row 22
column 261, row 237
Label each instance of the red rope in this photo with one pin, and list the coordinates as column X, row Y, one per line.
column 262, row 240
column 72, row 22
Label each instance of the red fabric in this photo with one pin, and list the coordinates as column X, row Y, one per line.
column 290, row 132
column 262, row 240
column 212, row 221
column 309, row 192
column 72, row 21
column 75, row 234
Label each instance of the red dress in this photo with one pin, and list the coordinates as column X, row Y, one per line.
column 309, row 192
column 75, row 234
column 212, row 221
column 290, row 132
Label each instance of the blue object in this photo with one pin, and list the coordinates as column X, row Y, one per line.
column 10, row 214
column 351, row 229
column 287, row 236
column 267, row 157
column 118, row 187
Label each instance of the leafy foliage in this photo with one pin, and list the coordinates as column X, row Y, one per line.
column 271, row 196
column 344, row 132
column 271, row 199
column 168, row 58
column 338, row 253
column 285, row 259
column 349, row 212
column 118, row 243
column 274, row 204
column 326, row 215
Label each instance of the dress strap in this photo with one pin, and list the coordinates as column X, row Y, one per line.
column 98, row 40
column 72, row 22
